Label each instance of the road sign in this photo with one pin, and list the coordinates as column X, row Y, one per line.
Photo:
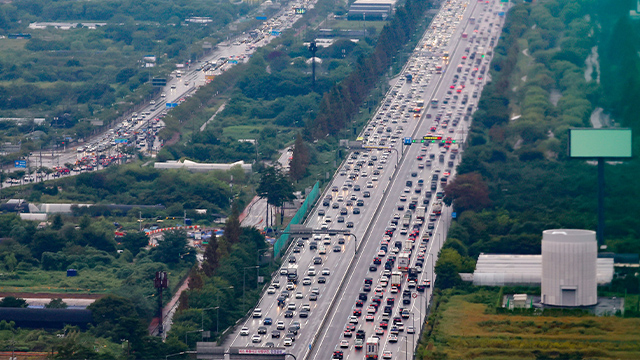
column 20, row 164
column 261, row 18
column 454, row 215
column 407, row 141
column 159, row 82
column 170, row 105
column 414, row 295
column 121, row 141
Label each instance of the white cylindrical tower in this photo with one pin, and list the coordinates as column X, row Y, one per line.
column 569, row 267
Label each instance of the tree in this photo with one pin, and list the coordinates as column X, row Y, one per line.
column 173, row 248
column 467, row 192
column 210, row 259
column 56, row 304
column 56, row 222
column 275, row 187
column 300, row 159
column 134, row 241
column 11, row 301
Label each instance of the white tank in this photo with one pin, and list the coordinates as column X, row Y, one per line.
column 569, row 259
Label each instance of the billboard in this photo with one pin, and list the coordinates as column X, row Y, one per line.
column 20, row 164
column 600, row 143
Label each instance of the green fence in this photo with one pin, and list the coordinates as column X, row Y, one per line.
column 281, row 243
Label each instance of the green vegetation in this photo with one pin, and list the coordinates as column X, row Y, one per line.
column 465, row 327
column 72, row 76
column 516, row 180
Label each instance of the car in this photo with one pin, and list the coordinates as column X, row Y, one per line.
column 321, row 212
column 299, row 295
column 393, row 338
column 244, row 331
column 353, row 319
column 373, row 267
column 306, row 281
column 313, row 297
column 280, row 325
column 337, row 355
column 257, row 313
column 292, row 259
column 387, row 354
column 340, row 219
column 284, row 271
column 344, row 343
column 271, row 290
column 349, row 224
column 262, row 330
column 411, row 329
column 322, row 280
column 269, row 344
column 287, row 341
column 347, row 333
column 256, row 338
column 337, row 248
column 304, row 314
column 394, row 330
column 379, row 331
column 366, row 194
column 288, row 314
column 317, row 260
column 267, row 321
column 326, row 271
column 370, row 317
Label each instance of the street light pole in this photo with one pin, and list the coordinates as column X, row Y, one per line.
column 244, row 277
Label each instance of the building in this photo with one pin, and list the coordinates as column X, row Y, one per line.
column 364, row 10
column 200, row 167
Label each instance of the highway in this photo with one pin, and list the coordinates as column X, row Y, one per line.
column 375, row 170
column 237, row 50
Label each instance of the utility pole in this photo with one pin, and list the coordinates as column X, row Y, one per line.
column 313, row 48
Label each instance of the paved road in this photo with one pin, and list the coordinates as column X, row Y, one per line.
column 323, row 328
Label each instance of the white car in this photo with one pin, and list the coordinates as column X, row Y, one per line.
column 256, row 338
column 287, row 342
column 271, row 290
column 244, row 331
column 387, row 354
column 257, row 313
column 344, row 343
column 326, row 271
column 353, row 319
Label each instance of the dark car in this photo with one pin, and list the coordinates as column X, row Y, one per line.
column 322, row 280
column 360, row 202
column 366, row 194
column 373, row 267
column 275, row 334
column 292, row 259
column 288, row 314
column 262, row 330
column 356, row 211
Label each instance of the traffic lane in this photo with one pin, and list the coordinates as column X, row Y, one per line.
column 360, row 271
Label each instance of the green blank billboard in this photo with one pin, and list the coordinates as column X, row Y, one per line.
column 595, row 143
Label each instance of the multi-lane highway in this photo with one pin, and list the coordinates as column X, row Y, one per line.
column 448, row 70
column 178, row 88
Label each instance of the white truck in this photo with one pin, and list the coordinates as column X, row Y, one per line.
column 404, row 260
column 437, row 208
column 372, row 348
column 396, row 279
column 420, row 212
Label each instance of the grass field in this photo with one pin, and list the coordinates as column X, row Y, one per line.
column 465, row 330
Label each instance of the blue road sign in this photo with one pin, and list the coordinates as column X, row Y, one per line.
column 261, row 18
column 454, row 215
column 121, row 141
column 171, row 105
column 275, row 32
column 20, row 164
column 407, row 141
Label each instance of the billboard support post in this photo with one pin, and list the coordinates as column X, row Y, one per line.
column 600, row 230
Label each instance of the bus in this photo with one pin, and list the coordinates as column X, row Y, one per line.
column 420, row 103
column 438, row 69
column 372, row 347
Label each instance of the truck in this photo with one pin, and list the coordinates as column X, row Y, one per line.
column 292, row 275
column 396, row 279
column 403, row 261
column 454, row 148
column 420, row 212
column 406, row 219
column 437, row 208
column 372, row 347
column 408, row 244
